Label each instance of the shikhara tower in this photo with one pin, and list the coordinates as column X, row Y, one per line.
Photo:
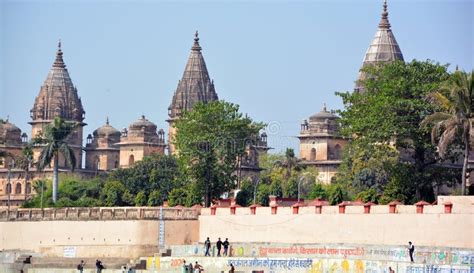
column 383, row 48
column 58, row 98
column 195, row 86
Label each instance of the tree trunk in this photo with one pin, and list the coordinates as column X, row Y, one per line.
column 464, row 165
column 55, row 177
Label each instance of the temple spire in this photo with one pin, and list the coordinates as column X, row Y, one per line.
column 196, row 45
column 384, row 20
column 59, row 57
column 383, row 48
column 107, row 120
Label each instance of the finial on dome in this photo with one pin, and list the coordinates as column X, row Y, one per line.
column 107, row 120
column 324, row 107
column 384, row 20
column 8, row 118
column 196, row 45
column 457, row 67
column 143, row 116
column 59, row 57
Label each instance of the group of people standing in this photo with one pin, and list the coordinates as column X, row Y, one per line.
column 219, row 245
column 98, row 265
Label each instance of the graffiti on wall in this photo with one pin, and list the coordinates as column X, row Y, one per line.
column 272, row 263
column 302, row 250
column 314, row 265
column 423, row 255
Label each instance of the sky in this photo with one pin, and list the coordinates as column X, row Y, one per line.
column 279, row 60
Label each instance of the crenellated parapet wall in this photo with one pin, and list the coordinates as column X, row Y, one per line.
column 100, row 213
column 343, row 208
column 448, row 224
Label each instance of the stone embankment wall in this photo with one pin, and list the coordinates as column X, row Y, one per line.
column 97, row 232
column 449, row 224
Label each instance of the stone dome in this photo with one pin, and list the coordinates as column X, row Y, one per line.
column 106, row 131
column 323, row 115
column 9, row 133
column 142, row 123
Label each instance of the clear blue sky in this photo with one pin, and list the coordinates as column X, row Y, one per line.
column 280, row 61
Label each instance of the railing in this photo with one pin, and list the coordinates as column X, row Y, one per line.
column 102, row 213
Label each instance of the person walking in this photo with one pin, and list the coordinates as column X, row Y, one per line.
column 99, row 266
column 207, row 245
column 232, row 269
column 80, row 266
column 219, row 246
column 390, row 270
column 226, row 247
column 411, row 250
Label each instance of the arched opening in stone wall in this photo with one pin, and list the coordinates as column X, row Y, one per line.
column 337, row 152
column 28, row 188
column 312, row 156
column 131, row 160
column 18, row 188
column 8, row 189
column 96, row 163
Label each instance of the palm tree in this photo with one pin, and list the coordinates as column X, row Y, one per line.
column 289, row 163
column 54, row 142
column 455, row 99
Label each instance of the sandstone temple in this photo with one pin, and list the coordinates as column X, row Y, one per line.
column 107, row 148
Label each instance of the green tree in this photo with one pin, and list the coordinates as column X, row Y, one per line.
column 155, row 199
column 336, row 194
column 290, row 162
column 156, row 172
column 209, row 140
column 112, row 193
column 53, row 143
column 318, row 191
column 455, row 99
column 128, row 198
column 178, row 196
column 245, row 195
column 369, row 195
column 398, row 90
column 140, row 199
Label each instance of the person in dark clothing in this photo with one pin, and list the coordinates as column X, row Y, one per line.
column 226, row 247
column 207, row 245
column 411, row 250
column 80, row 266
column 232, row 269
column 219, row 246
column 99, row 266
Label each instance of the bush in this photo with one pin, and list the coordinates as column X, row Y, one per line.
column 112, row 193
column 369, row 195
column 245, row 195
column 86, row 201
column 155, row 199
column 64, row 202
column 318, row 191
column 140, row 199
column 177, row 196
column 336, row 194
